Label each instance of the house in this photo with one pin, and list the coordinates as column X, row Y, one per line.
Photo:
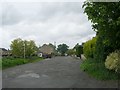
column 5, row 52
column 47, row 51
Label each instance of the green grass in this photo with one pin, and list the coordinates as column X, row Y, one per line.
column 98, row 70
column 0, row 64
column 10, row 62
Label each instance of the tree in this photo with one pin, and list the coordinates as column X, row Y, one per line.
column 106, row 22
column 30, row 48
column 18, row 46
column 62, row 48
column 79, row 50
column 70, row 52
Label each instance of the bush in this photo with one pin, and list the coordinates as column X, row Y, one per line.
column 113, row 61
column 89, row 48
column 98, row 70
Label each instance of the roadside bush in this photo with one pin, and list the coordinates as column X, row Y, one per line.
column 113, row 61
column 89, row 48
column 98, row 70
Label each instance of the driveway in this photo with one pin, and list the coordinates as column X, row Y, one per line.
column 57, row 72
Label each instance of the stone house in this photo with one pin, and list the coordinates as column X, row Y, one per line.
column 46, row 51
column 5, row 52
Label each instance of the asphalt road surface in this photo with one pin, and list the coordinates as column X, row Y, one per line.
column 57, row 72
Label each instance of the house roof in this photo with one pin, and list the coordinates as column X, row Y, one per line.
column 47, row 49
column 3, row 49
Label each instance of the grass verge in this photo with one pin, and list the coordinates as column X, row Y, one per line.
column 0, row 63
column 10, row 62
column 98, row 70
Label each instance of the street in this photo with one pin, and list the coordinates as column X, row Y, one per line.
column 56, row 72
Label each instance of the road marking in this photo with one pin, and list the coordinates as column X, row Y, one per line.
column 34, row 75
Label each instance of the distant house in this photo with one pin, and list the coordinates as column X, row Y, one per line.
column 46, row 51
column 5, row 52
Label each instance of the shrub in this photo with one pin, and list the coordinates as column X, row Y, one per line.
column 89, row 48
column 113, row 61
column 98, row 70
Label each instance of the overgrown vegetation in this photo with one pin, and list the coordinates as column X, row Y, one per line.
column 98, row 70
column 0, row 63
column 89, row 48
column 105, row 20
column 10, row 62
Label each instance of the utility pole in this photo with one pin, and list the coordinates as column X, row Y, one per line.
column 55, row 48
column 55, row 45
column 24, row 50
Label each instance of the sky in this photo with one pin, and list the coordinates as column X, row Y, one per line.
column 44, row 22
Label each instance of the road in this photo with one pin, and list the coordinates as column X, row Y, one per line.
column 57, row 72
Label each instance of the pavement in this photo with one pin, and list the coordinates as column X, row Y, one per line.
column 56, row 72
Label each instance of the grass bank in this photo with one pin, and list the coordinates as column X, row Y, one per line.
column 98, row 70
column 7, row 62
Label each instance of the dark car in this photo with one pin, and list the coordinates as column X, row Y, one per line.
column 47, row 56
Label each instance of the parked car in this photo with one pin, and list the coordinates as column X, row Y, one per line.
column 46, row 55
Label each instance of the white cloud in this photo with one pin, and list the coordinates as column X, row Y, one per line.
column 42, row 0
column 62, row 22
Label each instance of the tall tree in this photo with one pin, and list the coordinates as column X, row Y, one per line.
column 62, row 48
column 106, row 22
column 78, row 50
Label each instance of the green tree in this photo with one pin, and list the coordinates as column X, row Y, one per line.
column 30, row 48
column 78, row 50
column 70, row 52
column 18, row 46
column 106, row 22
column 62, row 48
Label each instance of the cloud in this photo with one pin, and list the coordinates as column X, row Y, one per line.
column 10, row 15
column 35, row 12
column 46, row 22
